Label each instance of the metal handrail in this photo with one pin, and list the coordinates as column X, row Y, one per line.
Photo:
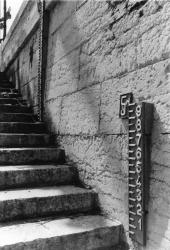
column 3, row 20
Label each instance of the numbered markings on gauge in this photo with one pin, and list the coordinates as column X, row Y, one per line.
column 140, row 117
column 135, row 169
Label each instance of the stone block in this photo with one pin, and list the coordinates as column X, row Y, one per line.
column 53, row 114
column 148, row 84
column 102, row 164
column 25, row 140
column 20, row 156
column 148, row 51
column 30, row 92
column 62, row 76
column 161, row 150
column 35, row 176
column 102, row 61
column 44, row 201
column 14, row 109
column 62, row 43
column 80, row 112
column 85, row 232
column 60, row 14
column 21, row 127
column 17, row 117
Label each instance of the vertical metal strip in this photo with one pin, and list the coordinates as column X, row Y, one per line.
column 140, row 116
column 41, row 7
column 4, row 35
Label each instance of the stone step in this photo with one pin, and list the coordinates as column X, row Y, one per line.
column 4, row 80
column 2, row 75
column 6, row 85
column 9, row 95
column 25, row 140
column 17, row 117
column 12, row 101
column 35, row 176
column 45, row 201
column 21, row 127
column 8, row 90
column 24, row 156
column 92, row 232
column 5, row 108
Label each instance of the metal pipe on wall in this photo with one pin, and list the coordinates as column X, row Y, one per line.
column 5, row 13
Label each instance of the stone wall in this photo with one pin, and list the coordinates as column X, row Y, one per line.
column 97, row 51
column 24, row 70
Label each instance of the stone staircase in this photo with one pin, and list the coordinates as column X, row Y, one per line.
column 40, row 205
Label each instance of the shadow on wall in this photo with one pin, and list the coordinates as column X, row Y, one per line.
column 100, row 158
column 11, row 74
column 159, row 203
column 18, row 76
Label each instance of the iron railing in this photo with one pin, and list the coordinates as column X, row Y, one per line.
column 4, row 18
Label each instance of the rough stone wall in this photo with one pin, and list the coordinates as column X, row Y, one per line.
column 97, row 51
column 24, row 70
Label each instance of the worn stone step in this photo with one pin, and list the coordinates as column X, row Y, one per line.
column 5, row 108
column 25, row 140
column 39, row 155
column 8, row 90
column 5, row 81
column 92, row 232
column 17, row 117
column 2, row 75
column 45, row 201
column 12, row 101
column 35, row 175
column 21, row 127
column 9, row 95
column 6, row 85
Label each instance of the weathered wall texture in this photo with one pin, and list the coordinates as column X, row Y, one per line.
column 97, row 51
column 24, row 70
column 20, row 51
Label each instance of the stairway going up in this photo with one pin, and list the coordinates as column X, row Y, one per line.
column 40, row 205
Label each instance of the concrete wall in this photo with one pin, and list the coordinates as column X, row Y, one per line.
column 97, row 51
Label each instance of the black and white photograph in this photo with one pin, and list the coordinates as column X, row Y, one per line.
column 84, row 124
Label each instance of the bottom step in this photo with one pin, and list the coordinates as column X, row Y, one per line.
column 79, row 233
